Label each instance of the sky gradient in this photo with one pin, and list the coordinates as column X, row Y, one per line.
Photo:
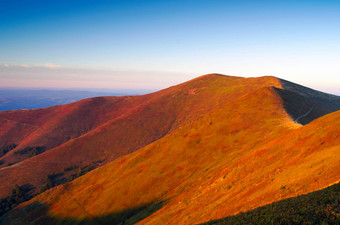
column 155, row 44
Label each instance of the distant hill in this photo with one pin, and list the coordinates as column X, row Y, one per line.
column 18, row 98
column 205, row 149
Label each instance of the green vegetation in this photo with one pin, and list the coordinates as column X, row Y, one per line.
column 49, row 183
column 53, row 180
column 81, row 171
column 32, row 151
column 19, row 194
column 6, row 149
column 320, row 207
column 12, row 163
column 66, row 169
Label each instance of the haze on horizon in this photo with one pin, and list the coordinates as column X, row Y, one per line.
column 155, row 44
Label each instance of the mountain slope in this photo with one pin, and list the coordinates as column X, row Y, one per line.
column 302, row 161
column 299, row 162
column 121, row 125
column 305, row 104
column 230, row 140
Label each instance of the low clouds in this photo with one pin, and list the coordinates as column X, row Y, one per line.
column 42, row 65
column 51, row 65
column 51, row 75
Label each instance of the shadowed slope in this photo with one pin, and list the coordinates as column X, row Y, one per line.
column 319, row 207
column 37, row 213
column 305, row 104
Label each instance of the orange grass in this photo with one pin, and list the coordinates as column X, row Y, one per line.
column 103, row 129
column 224, row 153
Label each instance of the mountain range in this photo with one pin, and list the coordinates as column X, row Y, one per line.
column 21, row 98
column 209, row 148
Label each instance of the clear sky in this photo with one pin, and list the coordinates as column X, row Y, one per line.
column 155, row 44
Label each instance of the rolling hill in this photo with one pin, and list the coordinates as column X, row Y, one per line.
column 205, row 149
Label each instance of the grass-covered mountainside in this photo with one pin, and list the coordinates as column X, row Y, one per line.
column 94, row 131
column 205, row 149
column 319, row 207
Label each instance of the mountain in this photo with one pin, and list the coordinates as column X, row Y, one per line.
column 94, row 131
column 205, row 149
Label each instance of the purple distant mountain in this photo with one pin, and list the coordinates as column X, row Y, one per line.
column 13, row 98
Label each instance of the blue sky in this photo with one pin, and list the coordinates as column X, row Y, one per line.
column 155, row 44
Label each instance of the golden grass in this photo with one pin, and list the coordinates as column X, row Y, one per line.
column 238, row 155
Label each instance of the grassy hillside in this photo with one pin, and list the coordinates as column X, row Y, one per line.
column 300, row 161
column 227, row 161
column 121, row 125
column 179, row 158
column 319, row 207
column 230, row 147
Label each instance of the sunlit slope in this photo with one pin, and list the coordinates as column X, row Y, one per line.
column 300, row 162
column 175, row 170
column 154, row 116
